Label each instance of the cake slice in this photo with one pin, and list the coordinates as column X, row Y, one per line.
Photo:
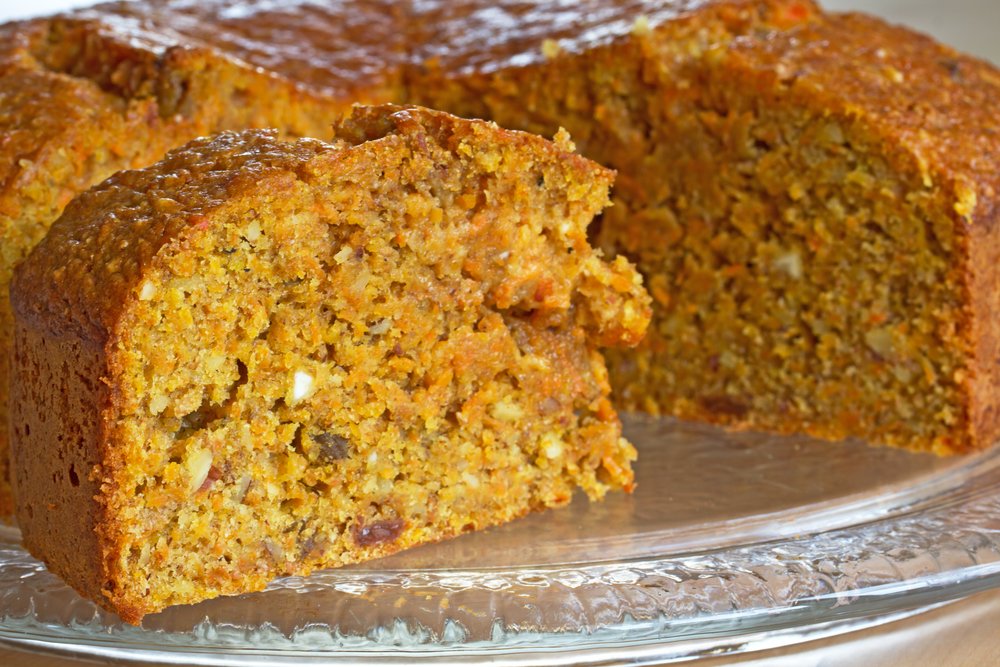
column 258, row 358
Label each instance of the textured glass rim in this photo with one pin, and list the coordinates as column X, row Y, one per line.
column 563, row 651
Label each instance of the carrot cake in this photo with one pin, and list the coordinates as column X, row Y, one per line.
column 811, row 195
column 83, row 97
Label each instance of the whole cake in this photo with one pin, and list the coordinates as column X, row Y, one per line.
column 258, row 358
column 811, row 197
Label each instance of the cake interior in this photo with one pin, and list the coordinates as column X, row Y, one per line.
column 804, row 278
column 386, row 350
column 802, row 281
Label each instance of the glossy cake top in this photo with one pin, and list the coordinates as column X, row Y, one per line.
column 512, row 33
column 333, row 46
column 486, row 36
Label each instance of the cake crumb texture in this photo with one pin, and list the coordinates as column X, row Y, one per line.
column 811, row 198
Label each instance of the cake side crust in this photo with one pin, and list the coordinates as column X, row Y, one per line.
column 57, row 428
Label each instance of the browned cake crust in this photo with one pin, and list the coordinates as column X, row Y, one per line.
column 258, row 358
column 351, row 50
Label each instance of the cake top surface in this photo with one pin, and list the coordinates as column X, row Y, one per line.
column 486, row 36
column 333, row 46
column 931, row 107
column 471, row 34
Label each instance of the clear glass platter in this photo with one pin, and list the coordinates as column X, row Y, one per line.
column 731, row 542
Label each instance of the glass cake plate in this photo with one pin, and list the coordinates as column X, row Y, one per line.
column 731, row 542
